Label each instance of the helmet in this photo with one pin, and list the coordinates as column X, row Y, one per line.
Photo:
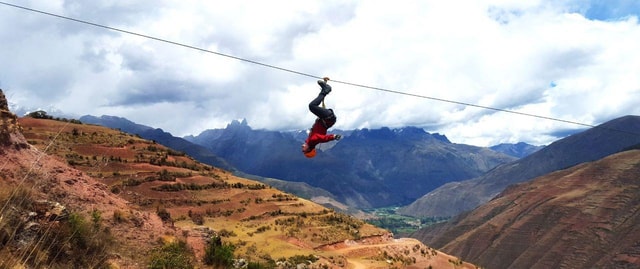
column 310, row 154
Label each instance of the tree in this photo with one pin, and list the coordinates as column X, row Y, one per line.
column 40, row 114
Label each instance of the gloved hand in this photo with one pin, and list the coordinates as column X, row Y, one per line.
column 337, row 137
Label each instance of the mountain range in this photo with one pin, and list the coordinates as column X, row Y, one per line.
column 581, row 213
column 367, row 168
column 390, row 167
column 456, row 197
column 518, row 150
column 83, row 196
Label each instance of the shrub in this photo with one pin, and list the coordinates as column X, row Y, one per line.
column 96, row 217
column 71, row 242
column 218, row 254
column 115, row 189
column 164, row 214
column 40, row 114
column 226, row 233
column 197, row 218
column 298, row 259
column 172, row 255
column 255, row 265
column 79, row 243
column 118, row 216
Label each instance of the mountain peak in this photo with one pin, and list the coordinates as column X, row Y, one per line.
column 519, row 150
column 409, row 132
column 236, row 124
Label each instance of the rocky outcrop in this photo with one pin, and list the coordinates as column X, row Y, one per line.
column 9, row 128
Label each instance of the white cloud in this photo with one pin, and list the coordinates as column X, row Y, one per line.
column 495, row 53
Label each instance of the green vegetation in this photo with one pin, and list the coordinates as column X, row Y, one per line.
column 172, row 255
column 41, row 114
column 399, row 224
column 257, row 265
column 65, row 240
column 197, row 187
column 302, row 259
column 218, row 254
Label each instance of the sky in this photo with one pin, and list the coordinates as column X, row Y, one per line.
column 572, row 60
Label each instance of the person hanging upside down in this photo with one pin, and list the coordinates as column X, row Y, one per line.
column 326, row 119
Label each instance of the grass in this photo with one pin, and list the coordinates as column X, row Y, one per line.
column 175, row 254
column 33, row 241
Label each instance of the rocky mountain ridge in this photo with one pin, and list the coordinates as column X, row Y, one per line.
column 518, row 150
column 368, row 168
column 454, row 198
column 396, row 160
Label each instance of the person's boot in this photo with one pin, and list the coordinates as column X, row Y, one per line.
column 326, row 88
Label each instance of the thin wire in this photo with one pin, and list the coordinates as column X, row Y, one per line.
column 464, row 104
column 307, row 74
column 160, row 39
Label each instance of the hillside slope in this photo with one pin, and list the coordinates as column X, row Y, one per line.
column 456, row 197
column 190, row 202
column 586, row 216
column 206, row 156
column 54, row 216
column 198, row 152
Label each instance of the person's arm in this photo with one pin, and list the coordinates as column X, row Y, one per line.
column 320, row 138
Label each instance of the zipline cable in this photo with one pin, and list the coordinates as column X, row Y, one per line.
column 302, row 73
column 159, row 39
column 465, row 104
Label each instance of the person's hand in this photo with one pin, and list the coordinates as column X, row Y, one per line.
column 337, row 137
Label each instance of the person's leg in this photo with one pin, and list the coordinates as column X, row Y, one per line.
column 325, row 88
column 315, row 108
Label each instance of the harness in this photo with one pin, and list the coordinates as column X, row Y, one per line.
column 328, row 121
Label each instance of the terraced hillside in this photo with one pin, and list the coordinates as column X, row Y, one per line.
column 196, row 202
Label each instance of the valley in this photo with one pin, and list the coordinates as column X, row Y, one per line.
column 187, row 202
column 194, row 202
column 400, row 225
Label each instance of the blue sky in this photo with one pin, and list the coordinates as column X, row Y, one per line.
column 611, row 9
column 574, row 60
